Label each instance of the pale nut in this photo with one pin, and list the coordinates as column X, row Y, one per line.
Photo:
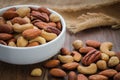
column 23, row 11
column 36, row 72
column 101, row 64
column 27, row 19
column 66, row 58
column 113, row 61
column 72, row 75
column 48, row 36
column 11, row 43
column 54, row 18
column 20, row 28
column 91, row 69
column 98, row 77
column 22, row 42
column 9, row 23
column 106, row 47
column 77, row 44
column 39, row 39
column 104, row 57
column 76, row 56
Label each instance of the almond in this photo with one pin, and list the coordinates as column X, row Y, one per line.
column 76, row 55
column 31, row 33
column 81, row 77
column 59, row 25
column 108, row 72
column 3, row 42
column 85, row 49
column 57, row 72
column 52, row 63
column 41, row 25
column 52, row 24
column 65, row 51
column 18, row 20
column 70, row 66
column 5, row 36
column 5, row 28
column 72, row 75
column 93, row 43
column 117, row 76
column 98, row 77
column 10, row 14
column 118, row 67
column 12, row 9
column 45, row 10
column 33, row 44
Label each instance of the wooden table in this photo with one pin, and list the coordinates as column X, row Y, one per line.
column 22, row 72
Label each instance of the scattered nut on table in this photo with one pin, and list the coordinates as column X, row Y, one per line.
column 36, row 72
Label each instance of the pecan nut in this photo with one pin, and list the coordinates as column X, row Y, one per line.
column 91, row 57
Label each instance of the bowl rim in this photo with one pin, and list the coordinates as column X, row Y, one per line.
column 43, row 45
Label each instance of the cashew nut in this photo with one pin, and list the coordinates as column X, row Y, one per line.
column 23, row 11
column 36, row 72
column 9, row 23
column 113, row 61
column 91, row 69
column 39, row 39
column 21, row 28
column 48, row 36
column 77, row 44
column 11, row 43
column 66, row 58
column 104, row 57
column 106, row 47
column 21, row 42
column 54, row 17
column 27, row 19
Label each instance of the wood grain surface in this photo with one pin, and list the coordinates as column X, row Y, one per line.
column 22, row 72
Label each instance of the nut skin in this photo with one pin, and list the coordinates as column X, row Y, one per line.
column 72, row 75
column 81, row 77
column 31, row 33
column 5, row 28
column 52, row 63
column 57, row 72
column 70, row 66
column 5, row 36
column 98, row 77
column 93, row 43
column 76, row 55
column 18, row 20
column 41, row 16
column 108, row 72
column 10, row 15
column 44, row 10
column 91, row 57
column 117, row 68
column 65, row 51
column 117, row 76
column 85, row 50
column 32, row 44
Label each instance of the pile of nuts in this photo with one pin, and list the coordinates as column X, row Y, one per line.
column 95, row 61
column 28, row 26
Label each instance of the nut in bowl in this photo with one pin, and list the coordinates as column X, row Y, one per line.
column 30, row 34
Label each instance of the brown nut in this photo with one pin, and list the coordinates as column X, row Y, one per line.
column 85, row 50
column 118, row 67
column 117, row 76
column 3, row 42
column 72, row 75
column 57, row 72
column 10, row 15
column 70, row 66
column 18, row 20
column 59, row 25
column 41, row 25
column 5, row 28
column 52, row 24
column 81, row 77
column 93, row 43
column 98, row 77
column 5, row 36
column 91, row 57
column 33, row 44
column 52, row 63
column 45, row 10
column 65, row 51
column 76, row 56
column 108, row 72
column 31, row 33
column 41, row 16
column 2, row 21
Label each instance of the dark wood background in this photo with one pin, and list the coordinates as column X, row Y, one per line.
column 22, row 72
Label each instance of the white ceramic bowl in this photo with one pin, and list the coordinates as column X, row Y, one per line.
column 30, row 55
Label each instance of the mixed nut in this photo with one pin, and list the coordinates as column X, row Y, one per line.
column 90, row 62
column 28, row 26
